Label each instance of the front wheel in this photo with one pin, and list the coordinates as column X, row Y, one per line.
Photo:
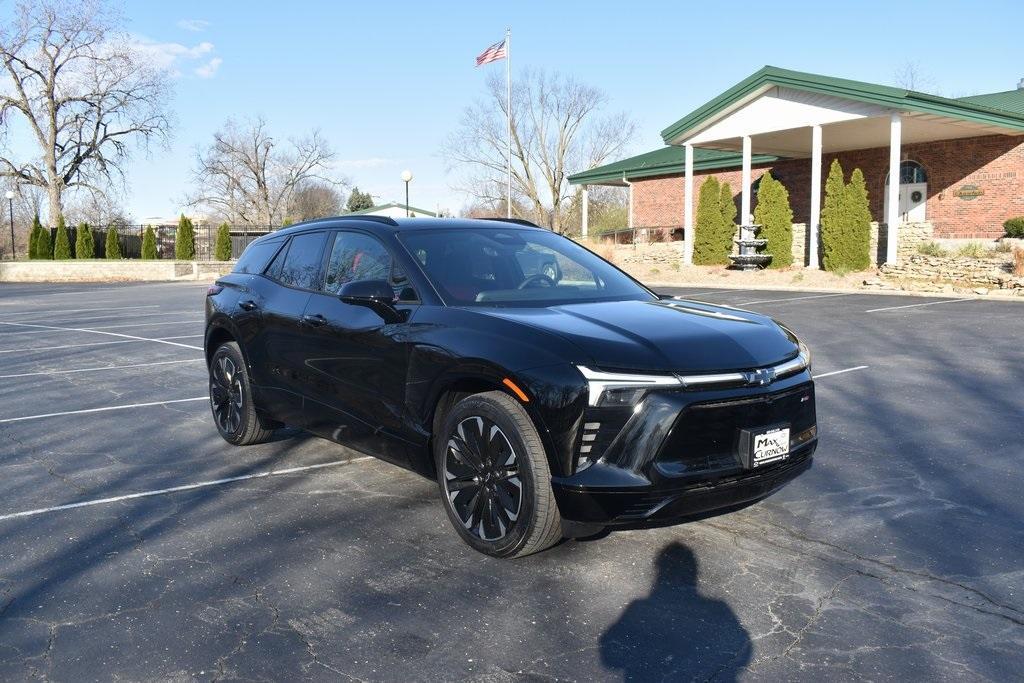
column 234, row 412
column 494, row 477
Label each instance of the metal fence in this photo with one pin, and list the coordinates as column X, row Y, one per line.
column 129, row 238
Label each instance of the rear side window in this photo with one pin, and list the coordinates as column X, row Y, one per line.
column 256, row 256
column 301, row 267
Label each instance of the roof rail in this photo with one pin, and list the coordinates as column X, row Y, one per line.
column 517, row 221
column 386, row 220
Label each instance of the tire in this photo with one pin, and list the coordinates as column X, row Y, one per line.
column 234, row 411
column 494, row 478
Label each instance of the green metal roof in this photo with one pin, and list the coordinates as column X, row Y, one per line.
column 392, row 205
column 665, row 161
column 1008, row 100
column 968, row 109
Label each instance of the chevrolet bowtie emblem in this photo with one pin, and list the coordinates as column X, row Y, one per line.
column 761, row 377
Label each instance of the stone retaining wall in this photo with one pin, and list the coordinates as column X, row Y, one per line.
column 111, row 271
column 955, row 270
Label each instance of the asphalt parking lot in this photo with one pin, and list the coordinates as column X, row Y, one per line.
column 136, row 544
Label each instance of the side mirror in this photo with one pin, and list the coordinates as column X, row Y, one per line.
column 376, row 295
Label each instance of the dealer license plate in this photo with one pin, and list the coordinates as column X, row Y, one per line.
column 770, row 446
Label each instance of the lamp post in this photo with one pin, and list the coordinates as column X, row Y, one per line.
column 10, row 207
column 406, row 177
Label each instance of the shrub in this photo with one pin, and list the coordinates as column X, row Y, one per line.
column 707, row 250
column 185, row 240
column 222, row 250
column 845, row 221
column 84, row 246
column 286, row 222
column 1014, row 227
column 972, row 250
column 33, row 238
column 858, row 229
column 831, row 216
column 728, row 229
column 61, row 244
column 44, row 248
column 1003, row 247
column 931, row 249
column 775, row 217
column 112, row 247
column 149, row 243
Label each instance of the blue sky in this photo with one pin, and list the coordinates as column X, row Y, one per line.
column 386, row 81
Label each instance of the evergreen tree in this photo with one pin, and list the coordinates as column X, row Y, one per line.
column 286, row 222
column 44, row 247
column 62, row 244
column 185, row 240
column 83, row 242
column 357, row 201
column 149, row 243
column 707, row 246
column 858, row 229
column 775, row 217
column 833, row 219
column 222, row 250
column 33, row 238
column 112, row 248
column 727, row 232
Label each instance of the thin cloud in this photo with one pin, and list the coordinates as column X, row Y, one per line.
column 194, row 25
column 209, row 70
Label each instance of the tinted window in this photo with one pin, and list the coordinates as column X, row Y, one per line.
column 301, row 266
column 516, row 267
column 355, row 256
column 255, row 257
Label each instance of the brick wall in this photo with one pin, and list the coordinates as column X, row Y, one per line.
column 995, row 163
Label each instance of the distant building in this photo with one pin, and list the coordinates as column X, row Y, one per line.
column 394, row 210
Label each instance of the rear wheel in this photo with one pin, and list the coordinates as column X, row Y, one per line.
column 494, row 477
column 234, row 412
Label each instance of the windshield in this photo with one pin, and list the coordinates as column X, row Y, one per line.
column 516, row 267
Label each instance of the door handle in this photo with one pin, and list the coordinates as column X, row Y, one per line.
column 314, row 320
column 248, row 305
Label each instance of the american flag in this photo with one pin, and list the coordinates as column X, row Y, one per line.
column 492, row 54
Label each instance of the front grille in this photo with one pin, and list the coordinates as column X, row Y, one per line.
column 705, row 436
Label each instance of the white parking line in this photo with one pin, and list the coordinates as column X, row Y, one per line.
column 104, row 367
column 839, row 372
column 98, row 331
column 46, row 328
column 929, row 303
column 134, row 340
column 103, row 410
column 793, row 298
column 109, row 316
column 715, row 293
column 183, row 487
column 78, row 310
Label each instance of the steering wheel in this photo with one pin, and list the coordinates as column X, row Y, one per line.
column 538, row 278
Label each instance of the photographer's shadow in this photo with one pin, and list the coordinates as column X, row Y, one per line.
column 675, row 632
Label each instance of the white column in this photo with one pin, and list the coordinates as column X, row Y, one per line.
column 892, row 217
column 815, row 218
column 745, row 203
column 630, row 186
column 585, row 213
column 688, row 206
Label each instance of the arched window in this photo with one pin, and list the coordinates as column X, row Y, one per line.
column 911, row 173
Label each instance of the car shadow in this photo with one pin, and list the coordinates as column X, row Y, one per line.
column 676, row 631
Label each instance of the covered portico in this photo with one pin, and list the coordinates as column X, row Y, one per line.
column 780, row 114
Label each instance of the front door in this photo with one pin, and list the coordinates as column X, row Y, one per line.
column 913, row 199
column 355, row 360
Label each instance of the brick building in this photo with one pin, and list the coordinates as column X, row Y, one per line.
column 960, row 161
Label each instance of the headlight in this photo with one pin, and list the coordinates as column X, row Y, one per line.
column 806, row 353
column 612, row 389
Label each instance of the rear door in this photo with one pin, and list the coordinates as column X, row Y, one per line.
column 277, row 353
column 357, row 361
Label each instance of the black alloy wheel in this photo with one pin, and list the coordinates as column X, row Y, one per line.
column 231, row 401
column 481, row 472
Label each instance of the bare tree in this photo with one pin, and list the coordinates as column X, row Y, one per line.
column 910, row 76
column 314, row 199
column 557, row 129
column 248, row 177
column 83, row 93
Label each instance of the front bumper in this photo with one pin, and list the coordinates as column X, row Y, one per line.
column 678, row 456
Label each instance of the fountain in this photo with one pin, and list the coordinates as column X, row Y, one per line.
column 748, row 258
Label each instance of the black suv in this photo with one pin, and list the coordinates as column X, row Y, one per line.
column 547, row 392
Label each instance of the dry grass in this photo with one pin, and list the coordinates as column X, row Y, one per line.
column 1018, row 262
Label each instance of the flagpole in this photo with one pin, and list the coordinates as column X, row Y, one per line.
column 508, row 111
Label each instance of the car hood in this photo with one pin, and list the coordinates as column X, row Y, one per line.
column 665, row 335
